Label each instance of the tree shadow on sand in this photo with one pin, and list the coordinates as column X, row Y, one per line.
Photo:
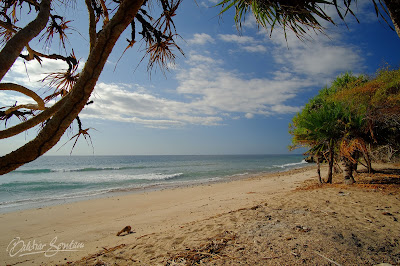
column 384, row 176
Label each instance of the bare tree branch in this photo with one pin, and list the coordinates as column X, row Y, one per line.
column 33, row 54
column 43, row 116
column 8, row 26
column 92, row 24
column 27, row 92
column 105, row 12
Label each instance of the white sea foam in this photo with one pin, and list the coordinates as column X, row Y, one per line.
column 291, row 164
column 64, row 179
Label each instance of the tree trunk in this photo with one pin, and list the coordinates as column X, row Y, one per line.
column 394, row 11
column 367, row 160
column 331, row 162
column 318, row 168
column 14, row 46
column 348, row 171
column 77, row 98
column 356, row 156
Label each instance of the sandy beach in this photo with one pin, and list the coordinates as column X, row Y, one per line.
column 272, row 219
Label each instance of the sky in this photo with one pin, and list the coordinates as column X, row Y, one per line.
column 232, row 92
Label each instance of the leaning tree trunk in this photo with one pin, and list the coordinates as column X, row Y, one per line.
column 355, row 163
column 348, row 171
column 394, row 11
column 16, row 44
column 367, row 160
column 331, row 162
column 76, row 99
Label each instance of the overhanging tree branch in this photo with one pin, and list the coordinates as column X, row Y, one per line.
column 394, row 13
column 34, row 121
column 79, row 95
column 27, row 92
column 92, row 24
column 14, row 46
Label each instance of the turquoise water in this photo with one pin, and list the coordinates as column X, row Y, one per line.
column 57, row 179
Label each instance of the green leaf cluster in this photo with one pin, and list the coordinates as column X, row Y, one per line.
column 324, row 119
column 352, row 107
column 299, row 16
column 296, row 15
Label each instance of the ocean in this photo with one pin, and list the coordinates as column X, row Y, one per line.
column 59, row 179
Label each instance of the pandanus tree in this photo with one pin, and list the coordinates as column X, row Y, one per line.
column 71, row 89
column 320, row 126
column 350, row 150
column 349, row 115
column 378, row 101
column 354, row 139
column 326, row 125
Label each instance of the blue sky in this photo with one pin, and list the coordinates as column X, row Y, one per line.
column 232, row 93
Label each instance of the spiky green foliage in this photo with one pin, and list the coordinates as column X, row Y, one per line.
column 352, row 108
column 378, row 101
column 324, row 122
column 299, row 16
column 294, row 15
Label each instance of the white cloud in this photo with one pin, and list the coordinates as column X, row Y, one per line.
column 196, row 58
column 248, row 44
column 125, row 103
column 10, row 98
column 284, row 109
column 236, row 38
column 249, row 115
column 249, row 21
column 322, row 57
column 201, row 39
column 30, row 73
column 255, row 49
column 226, row 91
column 211, row 93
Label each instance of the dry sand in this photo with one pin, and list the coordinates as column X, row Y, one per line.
column 275, row 219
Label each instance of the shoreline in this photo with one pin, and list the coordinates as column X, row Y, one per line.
column 95, row 222
column 47, row 202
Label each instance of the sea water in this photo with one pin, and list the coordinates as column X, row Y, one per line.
column 57, row 179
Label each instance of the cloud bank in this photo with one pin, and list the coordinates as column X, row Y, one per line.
column 211, row 92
